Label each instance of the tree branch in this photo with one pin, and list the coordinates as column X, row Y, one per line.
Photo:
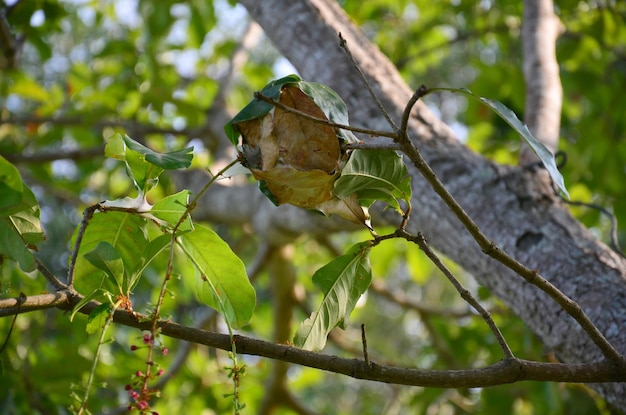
column 523, row 217
column 12, row 306
column 504, row 371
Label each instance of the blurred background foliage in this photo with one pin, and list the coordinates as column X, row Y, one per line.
column 162, row 72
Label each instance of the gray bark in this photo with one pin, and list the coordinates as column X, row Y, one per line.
column 516, row 208
column 544, row 94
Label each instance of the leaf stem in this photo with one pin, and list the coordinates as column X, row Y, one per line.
column 276, row 103
column 92, row 372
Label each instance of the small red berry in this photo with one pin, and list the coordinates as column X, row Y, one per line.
column 141, row 405
column 133, row 348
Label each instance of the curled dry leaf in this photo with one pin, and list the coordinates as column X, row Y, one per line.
column 298, row 159
column 282, row 138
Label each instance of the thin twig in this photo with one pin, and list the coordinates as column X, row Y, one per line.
column 364, row 342
column 419, row 92
column 614, row 237
column 278, row 104
column 370, row 146
column 50, row 277
column 344, row 46
column 400, row 299
column 465, row 294
column 43, row 157
column 20, row 300
column 87, row 215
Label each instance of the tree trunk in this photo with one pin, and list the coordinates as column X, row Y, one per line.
column 515, row 207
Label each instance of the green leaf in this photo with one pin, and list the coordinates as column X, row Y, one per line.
column 375, row 175
column 331, row 104
column 172, row 208
column 144, row 174
column 11, row 186
column 27, row 87
column 342, row 281
column 106, row 258
column 25, row 219
column 13, row 247
column 168, row 161
column 124, row 231
column 97, row 318
column 257, row 108
column 544, row 154
column 143, row 165
column 96, row 294
column 151, row 251
column 222, row 282
column 20, row 227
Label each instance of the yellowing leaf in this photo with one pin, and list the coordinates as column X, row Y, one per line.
column 305, row 189
column 348, row 208
column 282, row 138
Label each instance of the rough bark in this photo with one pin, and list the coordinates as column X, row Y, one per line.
column 516, row 208
column 544, row 94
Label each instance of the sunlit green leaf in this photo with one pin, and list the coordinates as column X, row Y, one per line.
column 143, row 165
column 342, row 281
column 97, row 318
column 106, row 258
column 12, row 247
column 375, row 175
column 124, row 231
column 168, row 161
column 10, row 186
column 95, row 295
column 144, row 174
column 150, row 252
column 27, row 87
column 172, row 208
column 20, row 227
column 221, row 278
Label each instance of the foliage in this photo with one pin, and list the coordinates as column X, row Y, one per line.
column 136, row 85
